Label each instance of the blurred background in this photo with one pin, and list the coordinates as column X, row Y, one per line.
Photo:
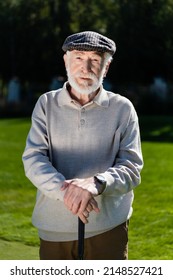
column 31, row 59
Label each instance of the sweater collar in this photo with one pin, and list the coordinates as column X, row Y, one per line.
column 101, row 99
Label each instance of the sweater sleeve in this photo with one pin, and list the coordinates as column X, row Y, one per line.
column 38, row 167
column 124, row 175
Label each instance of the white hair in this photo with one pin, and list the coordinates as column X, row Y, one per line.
column 107, row 57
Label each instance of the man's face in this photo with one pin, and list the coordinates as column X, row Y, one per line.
column 85, row 70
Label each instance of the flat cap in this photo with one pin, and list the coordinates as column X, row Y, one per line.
column 89, row 41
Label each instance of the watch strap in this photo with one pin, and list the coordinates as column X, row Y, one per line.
column 100, row 183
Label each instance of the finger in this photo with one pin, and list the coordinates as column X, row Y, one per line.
column 81, row 200
column 83, row 218
column 86, row 213
column 84, row 204
column 94, row 205
column 89, row 207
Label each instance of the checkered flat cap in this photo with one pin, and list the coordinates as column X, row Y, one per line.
column 89, row 41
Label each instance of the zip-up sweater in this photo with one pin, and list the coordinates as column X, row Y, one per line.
column 67, row 141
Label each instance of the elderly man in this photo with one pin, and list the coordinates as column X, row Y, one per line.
column 83, row 153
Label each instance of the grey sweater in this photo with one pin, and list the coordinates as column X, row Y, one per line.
column 67, row 141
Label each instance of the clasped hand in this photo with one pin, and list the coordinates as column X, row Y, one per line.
column 79, row 197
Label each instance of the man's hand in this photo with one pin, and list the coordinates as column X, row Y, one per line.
column 92, row 205
column 79, row 199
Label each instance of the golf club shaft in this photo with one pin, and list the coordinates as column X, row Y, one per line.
column 81, row 234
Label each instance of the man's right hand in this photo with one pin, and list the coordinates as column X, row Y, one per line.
column 79, row 201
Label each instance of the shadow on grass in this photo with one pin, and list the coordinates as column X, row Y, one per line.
column 156, row 128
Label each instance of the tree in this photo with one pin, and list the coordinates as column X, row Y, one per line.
column 32, row 33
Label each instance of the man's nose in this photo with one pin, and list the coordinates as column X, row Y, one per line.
column 86, row 66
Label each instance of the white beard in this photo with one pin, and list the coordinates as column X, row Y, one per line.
column 84, row 88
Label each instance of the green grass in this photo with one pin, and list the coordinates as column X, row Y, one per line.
column 17, row 251
column 17, row 194
column 151, row 226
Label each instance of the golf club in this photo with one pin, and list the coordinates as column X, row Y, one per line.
column 81, row 235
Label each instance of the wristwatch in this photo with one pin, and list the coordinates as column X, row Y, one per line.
column 101, row 183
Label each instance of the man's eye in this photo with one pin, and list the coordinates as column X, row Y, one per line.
column 95, row 60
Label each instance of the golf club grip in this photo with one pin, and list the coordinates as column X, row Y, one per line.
column 81, row 234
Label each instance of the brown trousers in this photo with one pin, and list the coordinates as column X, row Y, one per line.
column 111, row 245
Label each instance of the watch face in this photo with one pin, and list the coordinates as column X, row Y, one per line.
column 101, row 179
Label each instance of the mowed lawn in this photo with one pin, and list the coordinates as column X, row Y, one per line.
column 151, row 226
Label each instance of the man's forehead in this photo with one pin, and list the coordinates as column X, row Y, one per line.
column 79, row 52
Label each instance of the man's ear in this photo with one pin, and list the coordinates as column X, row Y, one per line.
column 106, row 69
column 65, row 59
